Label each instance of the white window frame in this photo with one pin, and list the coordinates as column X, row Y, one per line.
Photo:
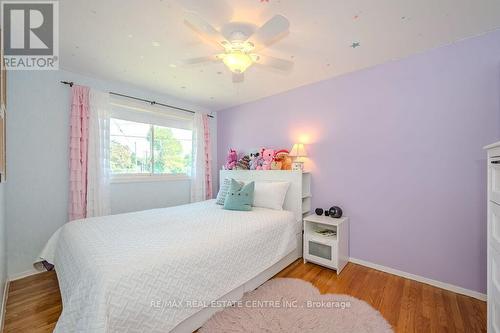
column 147, row 177
column 144, row 177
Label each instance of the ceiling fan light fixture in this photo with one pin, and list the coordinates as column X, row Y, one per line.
column 240, row 42
column 238, row 45
column 237, row 61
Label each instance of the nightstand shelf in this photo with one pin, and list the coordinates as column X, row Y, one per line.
column 332, row 250
column 306, row 193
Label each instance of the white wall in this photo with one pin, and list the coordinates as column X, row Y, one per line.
column 37, row 148
column 130, row 197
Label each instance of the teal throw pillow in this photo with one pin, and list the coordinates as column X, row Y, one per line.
column 239, row 197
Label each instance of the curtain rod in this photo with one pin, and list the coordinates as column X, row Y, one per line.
column 70, row 83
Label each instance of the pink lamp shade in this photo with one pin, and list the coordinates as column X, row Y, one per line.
column 298, row 150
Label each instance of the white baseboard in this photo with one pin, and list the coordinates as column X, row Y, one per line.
column 4, row 304
column 24, row 274
column 439, row 284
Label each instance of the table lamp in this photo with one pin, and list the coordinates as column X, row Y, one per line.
column 298, row 151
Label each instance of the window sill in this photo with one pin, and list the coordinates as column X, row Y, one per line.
column 119, row 179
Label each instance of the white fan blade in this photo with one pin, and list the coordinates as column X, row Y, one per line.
column 204, row 29
column 238, row 77
column 276, row 63
column 200, row 60
column 273, row 30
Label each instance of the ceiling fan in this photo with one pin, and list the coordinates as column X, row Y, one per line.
column 241, row 43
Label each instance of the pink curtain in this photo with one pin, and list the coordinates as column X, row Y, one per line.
column 78, row 148
column 208, row 156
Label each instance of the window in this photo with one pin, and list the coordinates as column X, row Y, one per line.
column 154, row 146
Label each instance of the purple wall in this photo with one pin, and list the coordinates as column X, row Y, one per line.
column 399, row 147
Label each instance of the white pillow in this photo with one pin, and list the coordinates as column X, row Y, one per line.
column 221, row 196
column 270, row 194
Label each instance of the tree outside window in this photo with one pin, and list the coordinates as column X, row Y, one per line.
column 138, row 148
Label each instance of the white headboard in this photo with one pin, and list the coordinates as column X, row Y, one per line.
column 293, row 200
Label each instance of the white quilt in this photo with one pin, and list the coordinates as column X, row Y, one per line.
column 138, row 272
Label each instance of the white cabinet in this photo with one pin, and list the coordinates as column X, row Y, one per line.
column 493, row 237
column 494, row 225
column 494, row 183
column 326, row 241
column 494, row 293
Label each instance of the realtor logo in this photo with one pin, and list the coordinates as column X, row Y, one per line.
column 30, row 35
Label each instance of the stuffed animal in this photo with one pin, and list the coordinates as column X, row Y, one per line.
column 275, row 164
column 287, row 163
column 255, row 160
column 282, row 160
column 231, row 159
column 267, row 156
column 243, row 163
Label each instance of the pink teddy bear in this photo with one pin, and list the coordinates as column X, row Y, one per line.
column 231, row 159
column 267, row 156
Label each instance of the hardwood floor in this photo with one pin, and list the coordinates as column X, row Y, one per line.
column 34, row 303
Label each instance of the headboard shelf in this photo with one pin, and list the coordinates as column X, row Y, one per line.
column 298, row 197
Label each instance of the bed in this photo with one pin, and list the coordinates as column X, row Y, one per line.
column 168, row 269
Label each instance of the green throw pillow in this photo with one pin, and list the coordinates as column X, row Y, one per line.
column 239, row 197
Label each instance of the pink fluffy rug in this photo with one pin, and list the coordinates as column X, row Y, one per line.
column 293, row 305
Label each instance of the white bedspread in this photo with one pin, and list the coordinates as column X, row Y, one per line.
column 130, row 272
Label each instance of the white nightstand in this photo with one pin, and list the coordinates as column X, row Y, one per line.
column 327, row 250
